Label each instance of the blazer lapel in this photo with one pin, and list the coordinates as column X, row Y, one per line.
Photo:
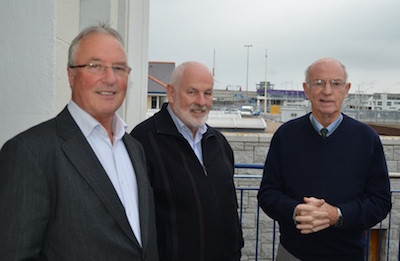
column 81, row 155
column 136, row 154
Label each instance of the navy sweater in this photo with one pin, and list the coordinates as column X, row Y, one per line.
column 348, row 170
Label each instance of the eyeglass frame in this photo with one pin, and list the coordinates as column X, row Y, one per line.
column 103, row 68
column 335, row 84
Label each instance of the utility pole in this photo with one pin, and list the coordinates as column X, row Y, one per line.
column 265, row 85
column 247, row 75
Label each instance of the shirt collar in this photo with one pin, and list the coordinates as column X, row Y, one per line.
column 331, row 128
column 87, row 123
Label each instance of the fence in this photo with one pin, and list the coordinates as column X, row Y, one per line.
column 375, row 116
column 261, row 234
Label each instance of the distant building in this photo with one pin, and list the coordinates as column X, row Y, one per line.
column 159, row 76
column 261, row 87
column 236, row 88
column 387, row 101
column 376, row 101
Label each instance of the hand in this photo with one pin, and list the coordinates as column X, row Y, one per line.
column 315, row 215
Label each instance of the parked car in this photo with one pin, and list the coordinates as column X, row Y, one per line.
column 246, row 111
column 256, row 113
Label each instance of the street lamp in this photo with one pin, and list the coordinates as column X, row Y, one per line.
column 247, row 75
column 265, row 85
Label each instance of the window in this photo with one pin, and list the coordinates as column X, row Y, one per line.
column 163, row 99
column 154, row 102
column 157, row 102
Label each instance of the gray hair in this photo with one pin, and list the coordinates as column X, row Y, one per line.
column 178, row 72
column 307, row 72
column 100, row 28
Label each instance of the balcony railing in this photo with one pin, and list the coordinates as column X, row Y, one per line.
column 261, row 234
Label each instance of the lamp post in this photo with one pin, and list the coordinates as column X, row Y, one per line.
column 265, row 85
column 247, row 74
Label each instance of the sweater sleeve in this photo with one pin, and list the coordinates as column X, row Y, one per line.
column 271, row 196
column 365, row 212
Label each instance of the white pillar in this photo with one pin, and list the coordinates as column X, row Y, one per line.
column 138, row 37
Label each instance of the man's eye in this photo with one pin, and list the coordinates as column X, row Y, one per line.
column 337, row 83
column 95, row 65
column 318, row 83
column 118, row 68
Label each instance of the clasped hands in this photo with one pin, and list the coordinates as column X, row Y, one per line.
column 314, row 215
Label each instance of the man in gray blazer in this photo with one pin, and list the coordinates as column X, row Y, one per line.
column 76, row 187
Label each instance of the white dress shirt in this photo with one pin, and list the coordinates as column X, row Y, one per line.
column 114, row 158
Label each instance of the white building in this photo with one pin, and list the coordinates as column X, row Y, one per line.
column 376, row 101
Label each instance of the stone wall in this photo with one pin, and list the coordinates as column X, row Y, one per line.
column 253, row 148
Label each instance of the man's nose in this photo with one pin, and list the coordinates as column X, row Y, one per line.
column 109, row 75
column 201, row 99
column 327, row 88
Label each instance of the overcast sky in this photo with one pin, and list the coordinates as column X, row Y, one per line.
column 363, row 34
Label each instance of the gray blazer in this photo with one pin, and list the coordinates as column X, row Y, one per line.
column 57, row 202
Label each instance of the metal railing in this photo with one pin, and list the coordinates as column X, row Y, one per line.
column 374, row 116
column 388, row 229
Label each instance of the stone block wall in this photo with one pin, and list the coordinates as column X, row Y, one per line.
column 253, row 148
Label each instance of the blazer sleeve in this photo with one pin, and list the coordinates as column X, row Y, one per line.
column 24, row 203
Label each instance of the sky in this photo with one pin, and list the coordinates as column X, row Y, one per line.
column 362, row 34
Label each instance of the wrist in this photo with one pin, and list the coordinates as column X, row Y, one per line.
column 294, row 216
column 340, row 218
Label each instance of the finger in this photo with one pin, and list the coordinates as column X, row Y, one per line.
column 314, row 201
column 313, row 227
column 306, row 207
column 311, row 223
column 308, row 231
column 312, row 212
column 313, row 230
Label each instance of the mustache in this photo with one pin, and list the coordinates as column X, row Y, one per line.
column 198, row 108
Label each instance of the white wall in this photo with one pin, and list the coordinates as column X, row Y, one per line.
column 67, row 28
column 34, row 42
column 27, row 64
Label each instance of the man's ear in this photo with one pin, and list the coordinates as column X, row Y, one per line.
column 170, row 93
column 306, row 89
column 347, row 86
column 71, row 76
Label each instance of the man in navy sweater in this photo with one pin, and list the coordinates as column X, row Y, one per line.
column 325, row 177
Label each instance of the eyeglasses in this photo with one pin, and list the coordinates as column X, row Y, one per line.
column 335, row 84
column 99, row 68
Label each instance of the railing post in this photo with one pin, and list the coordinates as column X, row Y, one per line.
column 368, row 238
column 257, row 230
